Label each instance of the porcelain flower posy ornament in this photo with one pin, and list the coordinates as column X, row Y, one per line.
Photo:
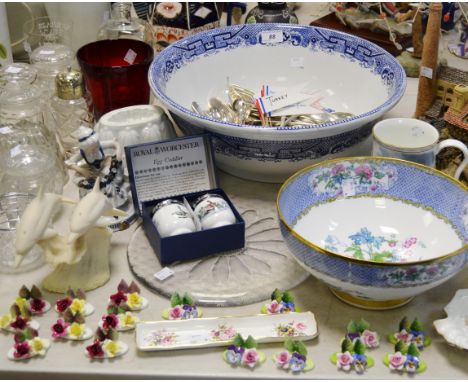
column 352, row 356
column 71, row 327
column 18, row 319
column 406, row 358
column 33, row 300
column 243, row 353
column 127, row 297
column 75, row 301
column 361, row 330
column 106, row 344
column 410, row 333
column 28, row 344
column 294, row 358
column 182, row 308
column 281, row 302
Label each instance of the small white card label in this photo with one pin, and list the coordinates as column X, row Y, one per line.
column 296, row 62
column 426, row 72
column 271, row 37
column 47, row 51
column 348, row 187
column 281, row 99
column 130, row 56
column 13, row 69
column 164, row 273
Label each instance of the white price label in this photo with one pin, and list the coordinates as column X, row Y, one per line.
column 130, row 56
column 164, row 273
column 278, row 100
column 271, row 37
column 348, row 187
column 296, row 62
column 426, row 72
column 47, row 51
column 13, row 69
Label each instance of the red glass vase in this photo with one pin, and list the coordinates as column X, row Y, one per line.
column 115, row 73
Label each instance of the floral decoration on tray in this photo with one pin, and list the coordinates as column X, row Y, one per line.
column 352, row 356
column 182, row 308
column 243, row 353
column 106, row 345
column 410, row 333
column 32, row 299
column 291, row 329
column 127, row 297
column 294, row 358
column 361, row 330
column 223, row 333
column 405, row 359
column 18, row 319
column 71, row 327
column 74, row 301
column 28, row 344
column 281, row 302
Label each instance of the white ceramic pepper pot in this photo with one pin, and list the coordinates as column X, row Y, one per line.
column 171, row 217
column 213, row 211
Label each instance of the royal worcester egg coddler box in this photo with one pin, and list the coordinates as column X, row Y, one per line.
column 174, row 187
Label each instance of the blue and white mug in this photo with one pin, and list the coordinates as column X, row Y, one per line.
column 413, row 140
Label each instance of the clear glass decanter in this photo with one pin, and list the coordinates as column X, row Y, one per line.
column 121, row 24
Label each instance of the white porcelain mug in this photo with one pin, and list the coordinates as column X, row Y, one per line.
column 171, row 217
column 413, row 140
column 213, row 211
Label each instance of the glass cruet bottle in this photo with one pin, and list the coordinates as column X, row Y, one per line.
column 69, row 109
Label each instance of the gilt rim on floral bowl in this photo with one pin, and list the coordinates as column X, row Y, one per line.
column 157, row 81
column 370, row 263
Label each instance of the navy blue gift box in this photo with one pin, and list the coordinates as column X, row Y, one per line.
column 186, row 246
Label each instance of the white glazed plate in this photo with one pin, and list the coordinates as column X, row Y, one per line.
column 454, row 328
column 220, row 331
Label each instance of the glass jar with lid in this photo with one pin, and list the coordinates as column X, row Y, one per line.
column 49, row 60
column 121, row 24
column 29, row 159
column 69, row 109
column 20, row 100
column 17, row 72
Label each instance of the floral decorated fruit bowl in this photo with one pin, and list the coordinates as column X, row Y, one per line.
column 378, row 231
column 352, row 74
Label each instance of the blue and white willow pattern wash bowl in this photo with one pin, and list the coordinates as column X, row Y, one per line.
column 378, row 231
column 353, row 74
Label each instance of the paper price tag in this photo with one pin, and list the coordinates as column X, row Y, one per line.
column 296, row 62
column 164, row 273
column 47, row 52
column 130, row 56
column 426, row 72
column 281, row 99
column 271, row 37
column 348, row 187
column 13, row 70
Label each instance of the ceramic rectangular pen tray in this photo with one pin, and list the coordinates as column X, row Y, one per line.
column 220, row 331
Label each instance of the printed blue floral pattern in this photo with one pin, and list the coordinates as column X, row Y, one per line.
column 366, row 246
column 350, row 178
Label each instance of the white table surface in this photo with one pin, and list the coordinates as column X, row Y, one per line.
column 66, row 359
